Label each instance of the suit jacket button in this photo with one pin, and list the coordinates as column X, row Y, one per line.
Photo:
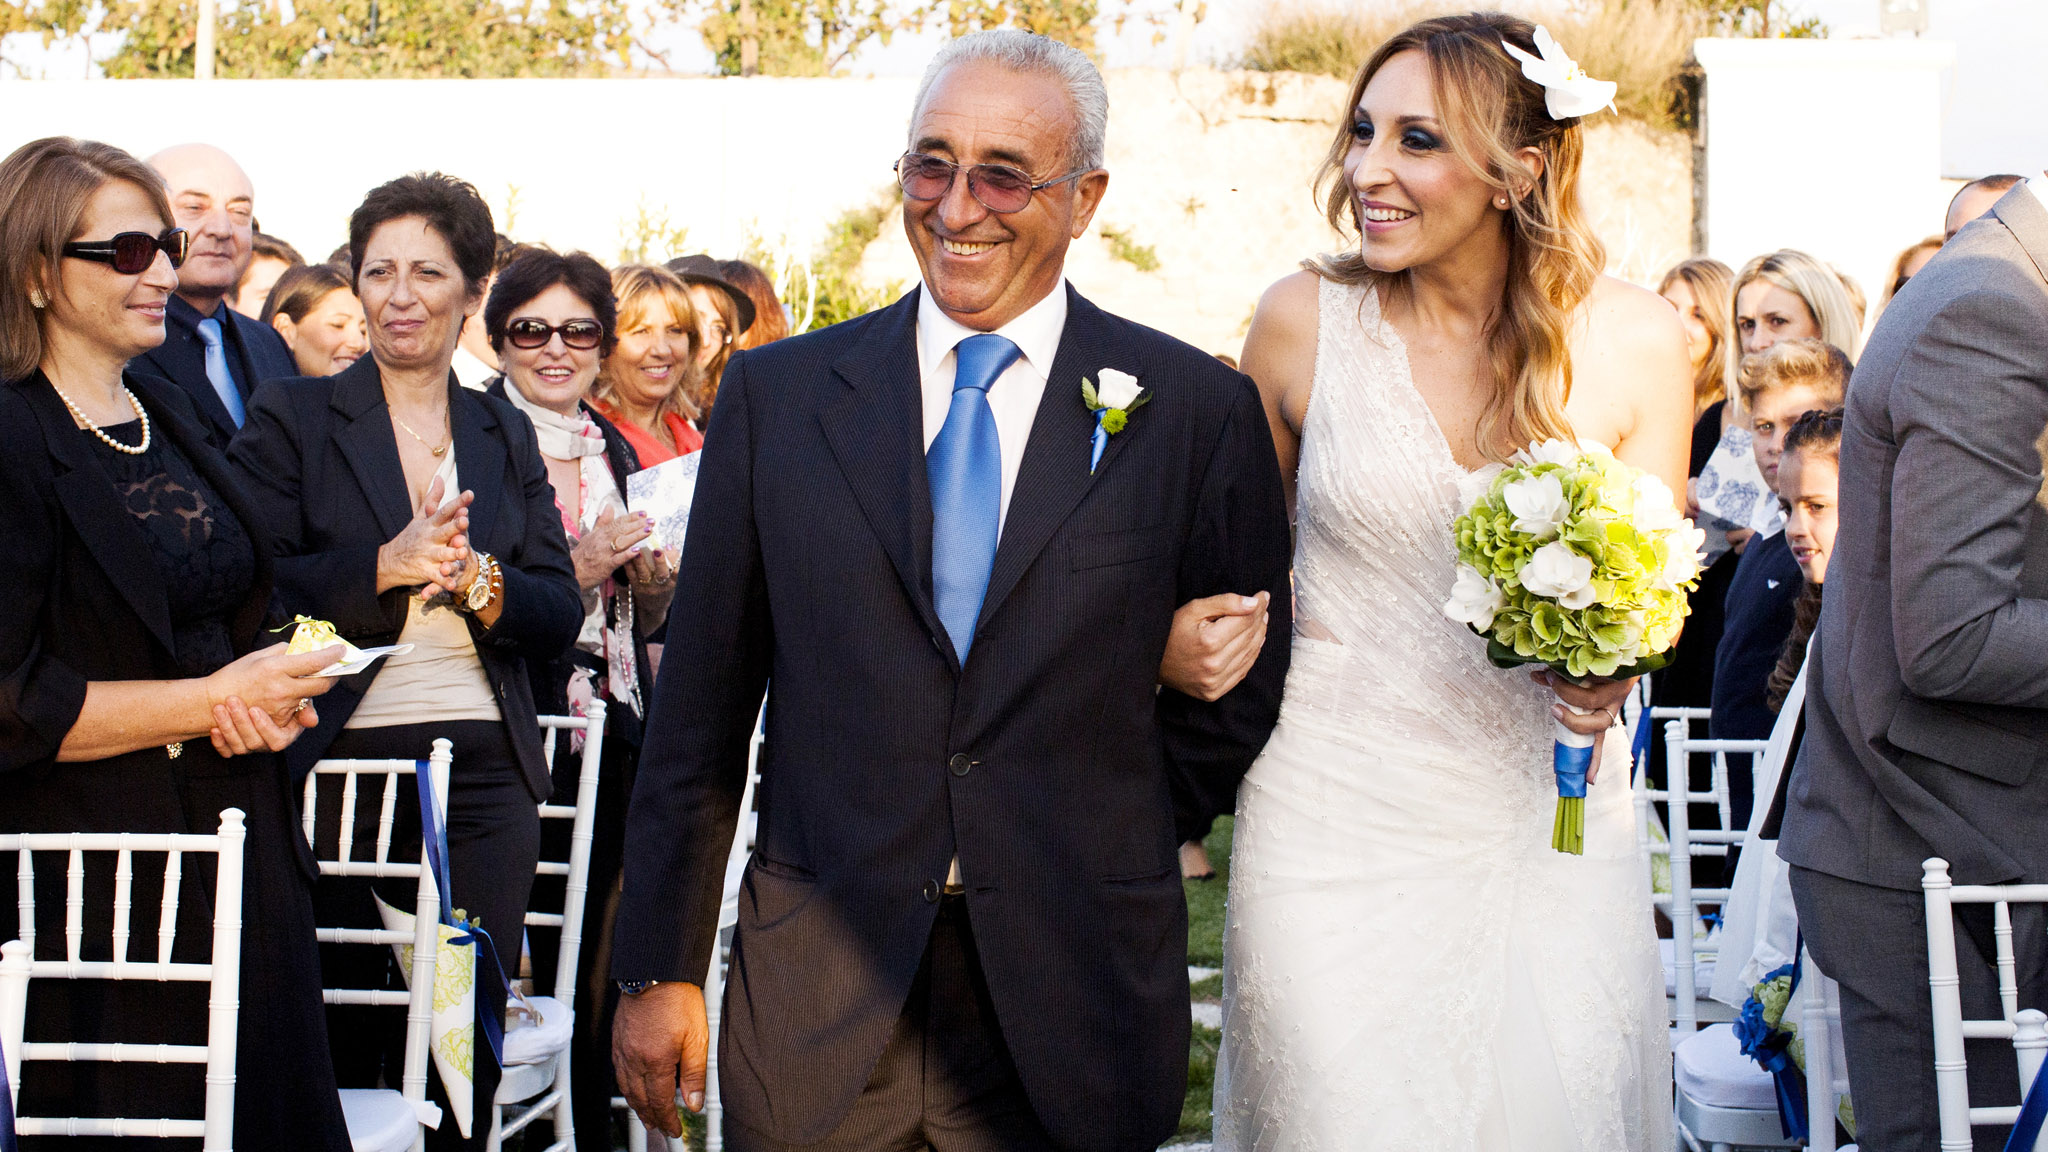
column 931, row 891
column 960, row 764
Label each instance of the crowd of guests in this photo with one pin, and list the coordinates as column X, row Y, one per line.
column 1772, row 346
column 170, row 509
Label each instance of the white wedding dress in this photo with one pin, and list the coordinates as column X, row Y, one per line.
column 1407, row 962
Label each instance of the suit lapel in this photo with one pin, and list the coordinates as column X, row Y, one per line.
column 479, row 460
column 367, row 443
column 876, row 433
column 1054, row 476
column 2022, row 212
column 181, row 359
column 108, row 531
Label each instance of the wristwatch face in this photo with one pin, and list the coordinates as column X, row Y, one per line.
column 480, row 590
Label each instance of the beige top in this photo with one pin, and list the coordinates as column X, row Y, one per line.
column 441, row 679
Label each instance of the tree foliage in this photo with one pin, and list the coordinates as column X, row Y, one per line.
column 794, row 37
column 345, row 38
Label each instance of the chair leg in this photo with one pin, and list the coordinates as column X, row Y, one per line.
column 564, row 1118
column 636, row 1133
column 496, row 1139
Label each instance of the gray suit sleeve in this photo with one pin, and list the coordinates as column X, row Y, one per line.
column 1969, row 401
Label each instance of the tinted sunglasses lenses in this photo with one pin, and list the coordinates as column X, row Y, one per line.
column 582, row 335
column 134, row 252
column 998, row 188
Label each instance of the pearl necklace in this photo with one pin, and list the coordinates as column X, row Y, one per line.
column 79, row 415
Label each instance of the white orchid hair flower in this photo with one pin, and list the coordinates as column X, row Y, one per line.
column 1567, row 91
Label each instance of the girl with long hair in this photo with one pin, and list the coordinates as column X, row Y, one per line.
column 1407, row 962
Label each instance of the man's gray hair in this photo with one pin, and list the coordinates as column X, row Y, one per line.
column 1023, row 51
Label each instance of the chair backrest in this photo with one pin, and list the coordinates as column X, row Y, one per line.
column 2027, row 1029
column 1820, row 1029
column 1687, row 842
column 582, row 816
column 222, row 971
column 390, row 776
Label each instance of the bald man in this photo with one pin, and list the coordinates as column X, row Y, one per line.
column 210, row 350
column 1975, row 199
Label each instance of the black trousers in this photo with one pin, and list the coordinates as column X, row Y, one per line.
column 945, row 1082
column 493, row 844
column 1873, row 942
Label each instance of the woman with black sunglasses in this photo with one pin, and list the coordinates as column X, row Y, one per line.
column 551, row 320
column 141, row 691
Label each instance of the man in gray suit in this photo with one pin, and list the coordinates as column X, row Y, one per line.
column 1928, row 722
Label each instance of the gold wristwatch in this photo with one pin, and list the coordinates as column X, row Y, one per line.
column 488, row 585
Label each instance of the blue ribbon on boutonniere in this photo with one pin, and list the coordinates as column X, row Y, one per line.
column 1112, row 401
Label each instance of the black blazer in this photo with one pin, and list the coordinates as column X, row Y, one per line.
column 320, row 460
column 261, row 355
column 551, row 681
column 1044, row 763
column 85, row 602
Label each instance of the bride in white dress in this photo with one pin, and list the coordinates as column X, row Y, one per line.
column 1408, row 964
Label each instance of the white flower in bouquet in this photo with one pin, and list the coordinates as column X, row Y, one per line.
column 1562, row 452
column 1538, row 503
column 1683, row 557
column 1655, row 510
column 1560, row 573
column 1475, row 599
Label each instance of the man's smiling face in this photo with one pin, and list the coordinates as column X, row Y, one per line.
column 982, row 268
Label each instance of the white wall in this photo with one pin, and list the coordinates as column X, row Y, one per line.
column 771, row 157
column 1829, row 146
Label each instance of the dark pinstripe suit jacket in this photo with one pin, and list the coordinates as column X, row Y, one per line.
column 1043, row 763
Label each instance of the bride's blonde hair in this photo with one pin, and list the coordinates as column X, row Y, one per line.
column 1489, row 113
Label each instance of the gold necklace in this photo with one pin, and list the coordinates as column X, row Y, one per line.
column 79, row 415
column 438, row 452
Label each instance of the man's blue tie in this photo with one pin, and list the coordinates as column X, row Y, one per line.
column 965, row 466
column 217, row 372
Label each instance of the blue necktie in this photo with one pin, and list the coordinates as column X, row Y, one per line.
column 965, row 466
column 217, row 370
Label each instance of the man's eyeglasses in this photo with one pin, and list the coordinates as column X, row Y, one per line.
column 998, row 187
column 529, row 334
column 131, row 253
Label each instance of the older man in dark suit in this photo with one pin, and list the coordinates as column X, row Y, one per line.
column 213, row 352
column 1927, row 726
column 963, row 924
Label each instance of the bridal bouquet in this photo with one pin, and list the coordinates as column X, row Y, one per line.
column 1578, row 562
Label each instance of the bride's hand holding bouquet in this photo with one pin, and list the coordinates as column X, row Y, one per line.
column 1580, row 563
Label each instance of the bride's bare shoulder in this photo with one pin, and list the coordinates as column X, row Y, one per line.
column 1627, row 321
column 1287, row 311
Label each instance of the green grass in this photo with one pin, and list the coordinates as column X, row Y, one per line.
column 1195, row 1125
column 1205, row 948
column 1205, row 901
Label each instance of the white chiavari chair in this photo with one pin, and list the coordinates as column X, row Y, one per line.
column 537, row 1065
column 221, row 971
column 381, row 1120
column 2027, row 1029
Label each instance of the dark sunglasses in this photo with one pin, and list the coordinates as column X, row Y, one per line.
column 579, row 334
column 131, row 253
column 999, row 188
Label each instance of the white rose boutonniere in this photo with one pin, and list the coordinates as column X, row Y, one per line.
column 1113, row 400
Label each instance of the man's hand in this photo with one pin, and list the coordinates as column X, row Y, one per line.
column 1213, row 644
column 655, row 1034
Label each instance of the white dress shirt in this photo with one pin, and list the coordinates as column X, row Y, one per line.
column 1014, row 397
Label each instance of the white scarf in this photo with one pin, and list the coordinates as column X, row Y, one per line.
column 561, row 437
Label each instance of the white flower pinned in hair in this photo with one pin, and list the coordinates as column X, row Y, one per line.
column 1567, row 91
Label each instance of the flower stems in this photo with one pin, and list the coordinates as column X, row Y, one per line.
column 1568, row 834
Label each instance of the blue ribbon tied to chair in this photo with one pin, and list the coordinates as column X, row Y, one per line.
column 1765, row 1041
